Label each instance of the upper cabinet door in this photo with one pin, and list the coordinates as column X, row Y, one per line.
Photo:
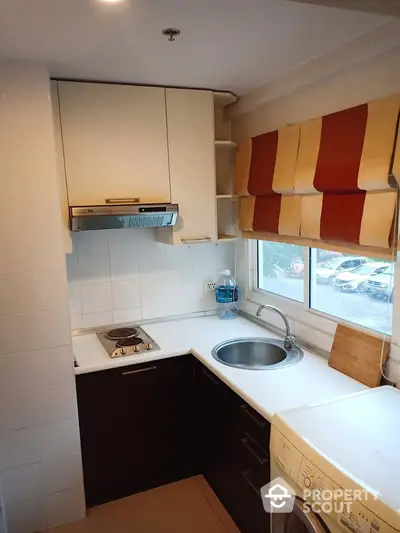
column 115, row 143
column 190, row 116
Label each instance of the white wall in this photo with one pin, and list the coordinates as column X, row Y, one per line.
column 368, row 80
column 119, row 276
column 40, row 462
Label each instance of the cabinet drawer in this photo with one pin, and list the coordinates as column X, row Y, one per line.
column 255, row 425
column 239, row 493
column 251, row 455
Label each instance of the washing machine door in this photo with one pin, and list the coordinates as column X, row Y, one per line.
column 297, row 521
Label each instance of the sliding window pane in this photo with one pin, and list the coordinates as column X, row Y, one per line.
column 353, row 288
column 281, row 269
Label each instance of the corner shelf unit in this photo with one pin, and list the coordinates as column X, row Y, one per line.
column 225, row 153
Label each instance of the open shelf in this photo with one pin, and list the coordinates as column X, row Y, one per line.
column 225, row 155
column 228, row 144
column 227, row 238
column 227, row 196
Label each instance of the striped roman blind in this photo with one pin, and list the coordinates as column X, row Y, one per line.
column 328, row 182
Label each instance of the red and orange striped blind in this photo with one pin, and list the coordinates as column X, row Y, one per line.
column 328, row 180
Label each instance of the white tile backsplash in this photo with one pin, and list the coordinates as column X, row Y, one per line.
column 90, row 320
column 124, row 265
column 126, row 294
column 127, row 315
column 95, row 242
column 94, row 268
column 129, row 276
column 96, row 297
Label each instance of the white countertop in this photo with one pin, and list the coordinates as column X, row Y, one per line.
column 308, row 382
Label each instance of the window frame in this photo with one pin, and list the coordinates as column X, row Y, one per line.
column 306, row 318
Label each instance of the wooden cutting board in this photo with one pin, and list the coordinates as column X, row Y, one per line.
column 358, row 355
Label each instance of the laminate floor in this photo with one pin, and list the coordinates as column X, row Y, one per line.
column 188, row 506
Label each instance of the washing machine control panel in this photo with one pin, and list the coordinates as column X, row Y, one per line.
column 312, row 479
column 358, row 519
column 346, row 508
column 285, row 454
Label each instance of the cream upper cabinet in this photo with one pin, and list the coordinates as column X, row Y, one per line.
column 115, row 143
column 60, row 169
column 190, row 119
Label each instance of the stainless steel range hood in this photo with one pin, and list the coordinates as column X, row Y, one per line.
column 123, row 216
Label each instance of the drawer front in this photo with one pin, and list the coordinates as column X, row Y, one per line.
column 255, row 425
column 251, row 455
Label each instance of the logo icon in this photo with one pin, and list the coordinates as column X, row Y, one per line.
column 278, row 496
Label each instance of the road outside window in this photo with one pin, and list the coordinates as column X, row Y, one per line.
column 353, row 288
column 281, row 269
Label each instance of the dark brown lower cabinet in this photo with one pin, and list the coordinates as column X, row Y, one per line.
column 136, row 428
column 235, row 450
column 146, row 425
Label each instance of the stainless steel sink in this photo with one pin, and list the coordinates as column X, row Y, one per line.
column 256, row 353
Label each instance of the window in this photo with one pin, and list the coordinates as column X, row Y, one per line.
column 281, row 269
column 351, row 288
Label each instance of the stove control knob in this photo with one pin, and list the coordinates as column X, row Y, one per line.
column 136, row 348
column 148, row 346
column 122, row 351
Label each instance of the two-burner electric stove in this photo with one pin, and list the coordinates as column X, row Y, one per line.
column 124, row 341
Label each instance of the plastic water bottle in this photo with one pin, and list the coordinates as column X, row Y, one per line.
column 226, row 293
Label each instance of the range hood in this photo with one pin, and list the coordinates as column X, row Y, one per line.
column 123, row 216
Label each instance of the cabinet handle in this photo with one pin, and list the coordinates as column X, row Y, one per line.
column 254, row 449
column 256, row 419
column 200, row 239
column 245, row 475
column 122, row 200
column 211, row 377
column 139, row 370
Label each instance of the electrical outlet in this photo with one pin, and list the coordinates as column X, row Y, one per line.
column 209, row 286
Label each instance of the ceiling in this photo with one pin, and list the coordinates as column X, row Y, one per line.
column 232, row 45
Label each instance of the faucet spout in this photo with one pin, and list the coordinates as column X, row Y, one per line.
column 289, row 339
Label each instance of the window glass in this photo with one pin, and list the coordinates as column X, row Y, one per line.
column 281, row 269
column 355, row 289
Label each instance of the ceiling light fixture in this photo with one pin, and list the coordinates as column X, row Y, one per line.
column 171, row 33
column 111, row 1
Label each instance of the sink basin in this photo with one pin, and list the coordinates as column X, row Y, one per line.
column 256, row 354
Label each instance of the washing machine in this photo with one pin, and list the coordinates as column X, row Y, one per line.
column 341, row 460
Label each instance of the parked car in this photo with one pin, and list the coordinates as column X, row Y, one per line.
column 381, row 285
column 326, row 272
column 356, row 280
column 296, row 270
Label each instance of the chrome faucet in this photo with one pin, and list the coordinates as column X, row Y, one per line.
column 289, row 338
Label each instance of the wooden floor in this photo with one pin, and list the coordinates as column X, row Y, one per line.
column 188, row 506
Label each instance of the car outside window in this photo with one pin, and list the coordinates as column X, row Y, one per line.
column 357, row 290
column 348, row 288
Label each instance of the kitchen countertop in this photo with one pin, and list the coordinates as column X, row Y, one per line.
column 308, row 382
